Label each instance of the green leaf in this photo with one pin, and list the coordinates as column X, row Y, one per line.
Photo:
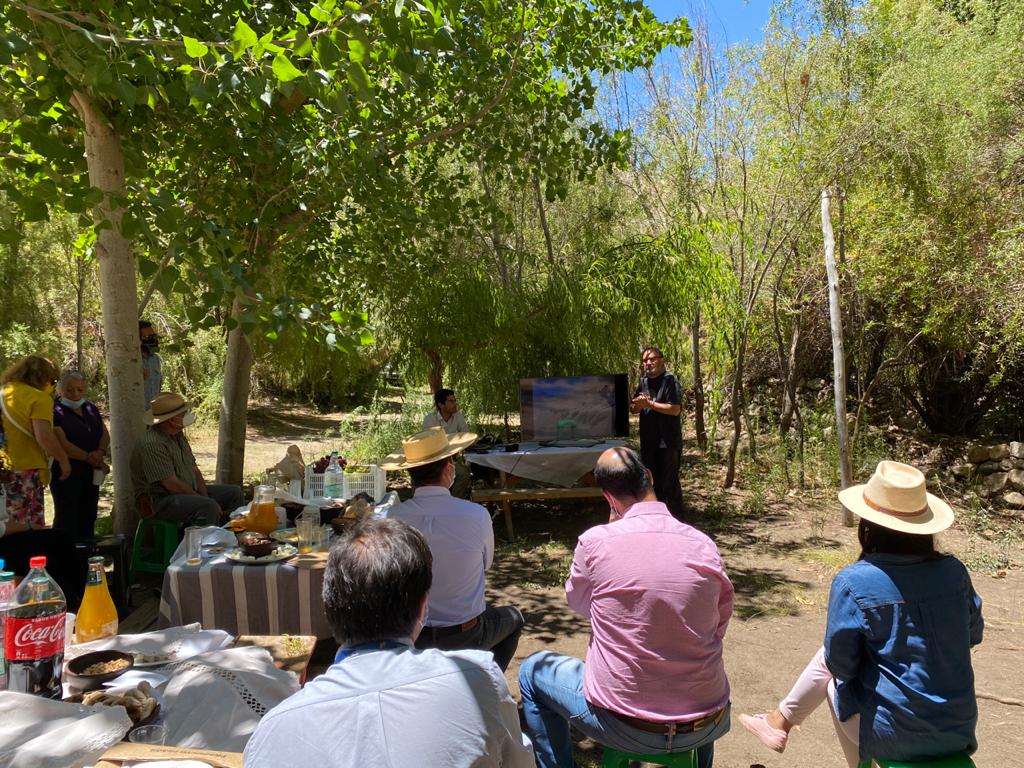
column 356, row 50
column 365, row 338
column 244, row 35
column 194, row 48
column 284, row 70
column 360, row 80
column 9, row 236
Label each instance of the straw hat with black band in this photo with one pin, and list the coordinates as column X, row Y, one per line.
column 166, row 406
column 896, row 497
column 428, row 446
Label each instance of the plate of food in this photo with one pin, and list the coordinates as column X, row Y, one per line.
column 279, row 553
column 286, row 535
column 143, row 660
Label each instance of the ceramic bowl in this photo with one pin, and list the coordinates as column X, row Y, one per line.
column 74, row 670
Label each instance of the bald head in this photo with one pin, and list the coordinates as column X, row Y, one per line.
column 621, row 474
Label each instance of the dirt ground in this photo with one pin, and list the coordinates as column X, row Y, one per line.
column 781, row 556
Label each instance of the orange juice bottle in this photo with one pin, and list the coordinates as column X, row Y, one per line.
column 97, row 616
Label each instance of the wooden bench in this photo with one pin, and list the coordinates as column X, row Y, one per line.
column 505, row 496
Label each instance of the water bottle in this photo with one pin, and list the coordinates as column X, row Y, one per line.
column 334, row 478
column 34, row 624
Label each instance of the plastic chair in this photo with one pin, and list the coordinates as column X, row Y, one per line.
column 962, row 760
column 613, row 758
column 152, row 553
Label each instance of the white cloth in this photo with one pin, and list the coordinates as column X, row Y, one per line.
column 177, row 642
column 457, row 423
column 212, row 536
column 397, row 708
column 46, row 733
column 552, row 465
column 215, row 700
column 461, row 540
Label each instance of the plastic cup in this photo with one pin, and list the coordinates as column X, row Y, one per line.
column 307, row 531
column 148, row 734
column 69, row 629
column 193, row 545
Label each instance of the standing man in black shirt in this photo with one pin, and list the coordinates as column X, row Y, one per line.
column 658, row 400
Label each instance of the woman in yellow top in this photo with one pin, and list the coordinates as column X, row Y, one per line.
column 26, row 394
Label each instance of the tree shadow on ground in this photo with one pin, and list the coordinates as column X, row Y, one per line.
column 285, row 422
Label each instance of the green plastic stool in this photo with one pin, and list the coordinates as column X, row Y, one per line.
column 155, row 542
column 613, row 758
column 962, row 760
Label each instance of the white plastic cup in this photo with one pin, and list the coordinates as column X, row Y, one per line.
column 69, row 629
column 98, row 476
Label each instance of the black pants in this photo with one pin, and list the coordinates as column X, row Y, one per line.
column 75, row 501
column 664, row 465
column 497, row 630
column 64, row 562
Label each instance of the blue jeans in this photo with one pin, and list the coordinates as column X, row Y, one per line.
column 552, row 690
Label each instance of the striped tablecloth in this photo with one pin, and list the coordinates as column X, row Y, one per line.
column 275, row 599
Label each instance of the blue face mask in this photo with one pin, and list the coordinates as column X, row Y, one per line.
column 72, row 403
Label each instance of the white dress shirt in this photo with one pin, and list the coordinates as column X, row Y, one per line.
column 457, row 423
column 461, row 540
column 394, row 709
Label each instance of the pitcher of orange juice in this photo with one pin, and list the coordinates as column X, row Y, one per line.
column 262, row 516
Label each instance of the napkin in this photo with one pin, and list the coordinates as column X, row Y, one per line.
column 212, row 536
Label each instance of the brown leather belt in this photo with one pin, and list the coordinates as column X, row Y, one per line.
column 671, row 729
column 454, row 629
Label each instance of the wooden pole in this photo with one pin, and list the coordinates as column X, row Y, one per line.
column 838, row 354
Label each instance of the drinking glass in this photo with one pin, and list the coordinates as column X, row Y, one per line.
column 307, row 530
column 193, row 545
column 148, row 734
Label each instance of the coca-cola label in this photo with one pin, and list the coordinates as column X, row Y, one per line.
column 34, row 638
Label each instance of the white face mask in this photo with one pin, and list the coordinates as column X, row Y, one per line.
column 188, row 419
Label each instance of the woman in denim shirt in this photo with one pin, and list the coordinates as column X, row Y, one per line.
column 896, row 663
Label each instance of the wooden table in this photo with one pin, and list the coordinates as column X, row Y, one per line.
column 290, row 652
column 505, row 495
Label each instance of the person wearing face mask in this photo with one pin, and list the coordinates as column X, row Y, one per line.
column 461, row 539
column 164, row 468
column 83, row 435
column 152, row 374
column 26, row 396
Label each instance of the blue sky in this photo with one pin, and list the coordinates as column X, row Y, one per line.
column 729, row 21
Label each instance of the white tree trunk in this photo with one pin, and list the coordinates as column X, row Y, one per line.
column 105, row 160
column 838, row 354
column 234, row 403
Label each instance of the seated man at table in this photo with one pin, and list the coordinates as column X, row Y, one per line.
column 461, row 539
column 164, row 468
column 382, row 703
column 659, row 600
column 447, row 416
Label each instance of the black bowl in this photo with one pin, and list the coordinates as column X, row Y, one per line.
column 74, row 670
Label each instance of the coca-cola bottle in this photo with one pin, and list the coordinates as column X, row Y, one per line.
column 34, row 634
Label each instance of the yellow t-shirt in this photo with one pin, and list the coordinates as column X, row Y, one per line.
column 26, row 403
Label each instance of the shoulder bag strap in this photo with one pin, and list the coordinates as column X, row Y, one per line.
column 10, row 418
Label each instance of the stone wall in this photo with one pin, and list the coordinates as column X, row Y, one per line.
column 997, row 470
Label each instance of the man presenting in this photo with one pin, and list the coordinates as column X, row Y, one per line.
column 658, row 401
column 461, row 539
column 659, row 600
column 164, row 467
column 382, row 703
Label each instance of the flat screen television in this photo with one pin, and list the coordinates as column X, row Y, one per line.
column 574, row 407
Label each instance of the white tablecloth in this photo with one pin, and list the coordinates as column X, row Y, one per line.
column 552, row 465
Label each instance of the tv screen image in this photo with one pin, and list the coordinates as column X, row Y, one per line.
column 574, row 407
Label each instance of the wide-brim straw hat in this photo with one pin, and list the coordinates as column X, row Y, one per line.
column 896, row 497
column 166, row 406
column 427, row 446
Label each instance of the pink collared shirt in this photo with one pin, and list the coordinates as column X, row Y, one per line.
column 659, row 600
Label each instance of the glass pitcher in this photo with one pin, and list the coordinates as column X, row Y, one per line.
column 262, row 516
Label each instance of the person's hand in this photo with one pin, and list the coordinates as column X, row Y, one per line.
column 65, row 468
column 642, row 401
column 96, row 459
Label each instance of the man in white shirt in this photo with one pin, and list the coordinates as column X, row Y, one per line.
column 461, row 539
column 447, row 416
column 382, row 703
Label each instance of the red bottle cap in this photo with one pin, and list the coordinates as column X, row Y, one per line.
column 39, row 561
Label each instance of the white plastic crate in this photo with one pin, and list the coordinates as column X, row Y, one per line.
column 369, row 479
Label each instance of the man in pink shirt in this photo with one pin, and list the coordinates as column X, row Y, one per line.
column 659, row 600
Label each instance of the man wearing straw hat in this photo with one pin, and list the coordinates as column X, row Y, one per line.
column 462, row 543
column 164, row 468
